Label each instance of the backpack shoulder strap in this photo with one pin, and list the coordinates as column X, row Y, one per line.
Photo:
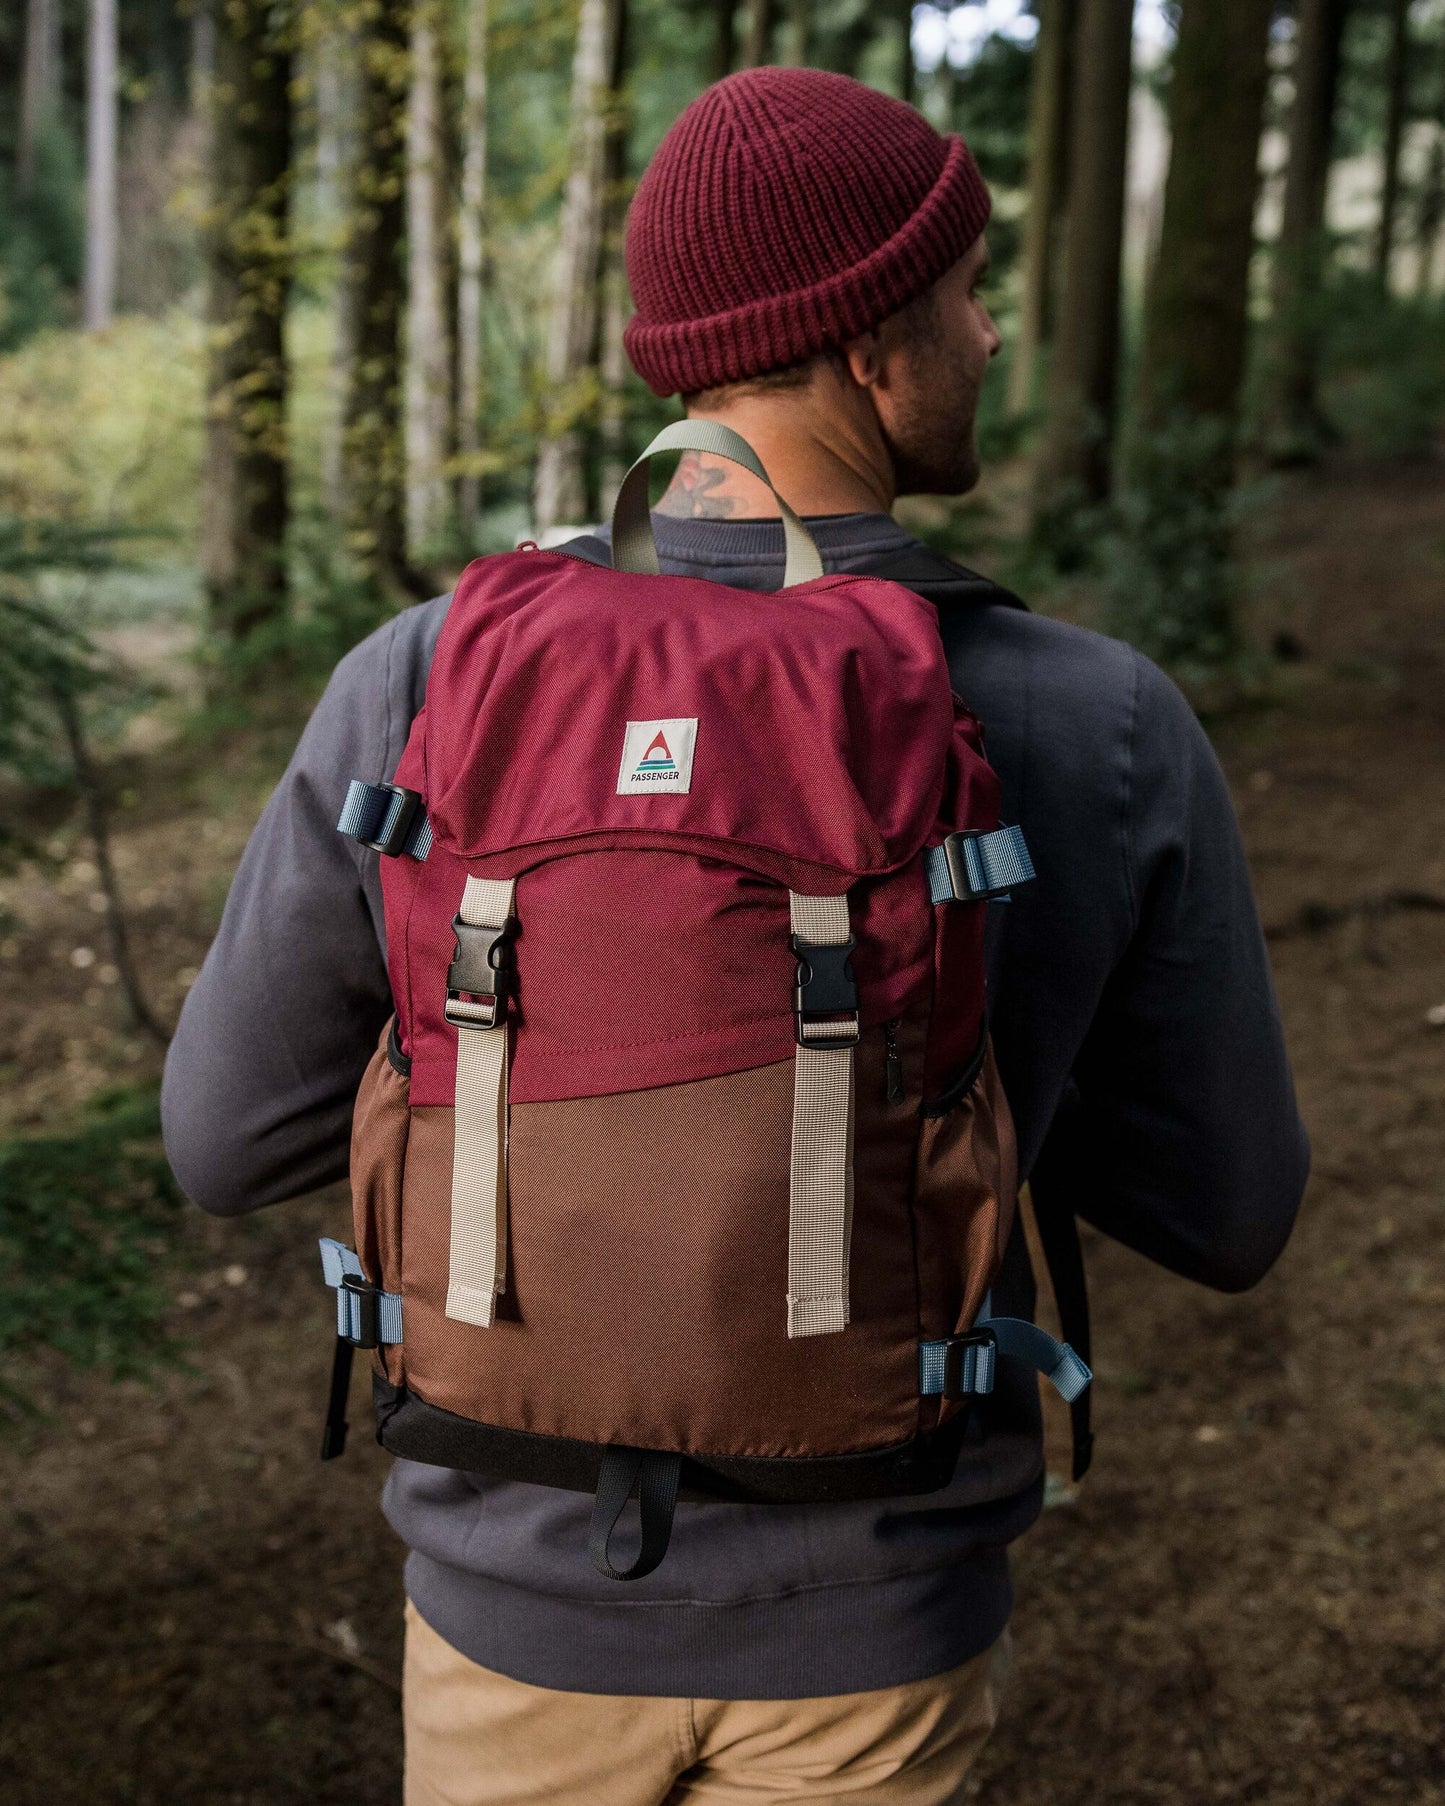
column 940, row 580
column 590, row 548
column 936, row 578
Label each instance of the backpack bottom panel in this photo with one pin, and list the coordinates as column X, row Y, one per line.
column 647, row 1275
column 410, row 1427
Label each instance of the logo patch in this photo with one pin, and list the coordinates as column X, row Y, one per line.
column 657, row 755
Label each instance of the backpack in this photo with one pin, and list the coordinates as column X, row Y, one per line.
column 684, row 1168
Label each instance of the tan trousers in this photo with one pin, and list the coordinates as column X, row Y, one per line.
column 474, row 1738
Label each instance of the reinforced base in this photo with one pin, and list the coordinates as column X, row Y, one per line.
column 407, row 1425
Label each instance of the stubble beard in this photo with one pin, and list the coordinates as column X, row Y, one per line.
column 931, row 442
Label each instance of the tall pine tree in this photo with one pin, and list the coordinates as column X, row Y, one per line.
column 245, row 502
column 1076, row 458
column 373, row 469
column 1297, row 426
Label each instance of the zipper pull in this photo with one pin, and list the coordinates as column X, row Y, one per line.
column 892, row 1065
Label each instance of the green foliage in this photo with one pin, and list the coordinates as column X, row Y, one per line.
column 332, row 608
column 41, row 238
column 1165, row 551
column 86, row 1220
column 1384, row 367
column 106, row 426
column 1364, row 79
column 992, row 110
column 44, row 660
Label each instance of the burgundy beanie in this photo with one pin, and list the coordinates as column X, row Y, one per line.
column 786, row 211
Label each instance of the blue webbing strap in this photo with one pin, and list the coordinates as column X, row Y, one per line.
column 970, row 867
column 1012, row 1336
column 339, row 1262
column 387, row 818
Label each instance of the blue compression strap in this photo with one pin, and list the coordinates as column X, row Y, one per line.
column 970, row 867
column 976, row 1373
column 1013, row 1336
column 386, row 817
column 339, row 1262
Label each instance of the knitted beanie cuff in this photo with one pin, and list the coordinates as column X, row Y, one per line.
column 685, row 356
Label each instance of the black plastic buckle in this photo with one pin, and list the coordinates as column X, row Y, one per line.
column 368, row 1310
column 955, row 1363
column 482, row 975
column 403, row 820
column 824, row 988
column 956, row 857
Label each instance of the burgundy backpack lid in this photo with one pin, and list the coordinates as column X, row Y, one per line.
column 823, row 716
column 823, row 746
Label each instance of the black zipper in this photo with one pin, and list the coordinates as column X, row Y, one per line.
column 892, row 1064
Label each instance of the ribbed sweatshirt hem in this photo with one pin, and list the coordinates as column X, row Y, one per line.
column 853, row 1637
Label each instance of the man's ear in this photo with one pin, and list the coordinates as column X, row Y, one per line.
column 865, row 360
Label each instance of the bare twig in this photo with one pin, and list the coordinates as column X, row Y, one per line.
column 97, row 814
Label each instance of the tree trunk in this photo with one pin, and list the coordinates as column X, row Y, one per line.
column 471, row 262
column 561, row 491
column 244, row 497
column 800, row 31
column 336, row 107
column 1396, row 98
column 1045, row 181
column 1432, row 210
column 332, row 60
column 611, row 358
column 724, row 39
column 1195, row 335
column 1075, row 461
column 1431, row 206
column 203, row 57
column 428, row 336
column 372, row 462
column 758, row 41
column 1297, row 425
column 907, row 74
column 39, row 86
column 1196, row 321
column 101, row 122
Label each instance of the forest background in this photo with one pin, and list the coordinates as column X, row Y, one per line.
column 304, row 305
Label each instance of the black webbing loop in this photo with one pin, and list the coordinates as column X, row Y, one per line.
column 1054, row 1186
column 654, row 1476
column 333, row 1436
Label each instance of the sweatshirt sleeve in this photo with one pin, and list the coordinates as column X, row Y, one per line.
column 275, row 1033
column 1182, row 1132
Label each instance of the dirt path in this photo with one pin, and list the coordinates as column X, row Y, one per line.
column 1245, row 1604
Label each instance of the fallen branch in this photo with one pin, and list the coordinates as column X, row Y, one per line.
column 92, row 794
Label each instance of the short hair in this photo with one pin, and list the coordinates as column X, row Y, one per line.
column 916, row 321
column 770, row 382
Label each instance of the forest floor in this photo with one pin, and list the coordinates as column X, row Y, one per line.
column 1243, row 1604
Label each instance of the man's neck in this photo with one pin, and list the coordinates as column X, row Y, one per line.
column 820, row 464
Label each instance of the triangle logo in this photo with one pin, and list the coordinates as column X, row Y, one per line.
column 657, row 756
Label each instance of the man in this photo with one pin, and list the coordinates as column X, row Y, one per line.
column 806, row 258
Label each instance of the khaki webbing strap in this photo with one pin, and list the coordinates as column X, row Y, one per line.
column 633, row 547
column 478, row 1271
column 820, row 1208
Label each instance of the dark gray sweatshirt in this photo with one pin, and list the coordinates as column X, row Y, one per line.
column 1130, row 979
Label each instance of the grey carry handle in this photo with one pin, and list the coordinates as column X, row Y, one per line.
column 633, row 547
